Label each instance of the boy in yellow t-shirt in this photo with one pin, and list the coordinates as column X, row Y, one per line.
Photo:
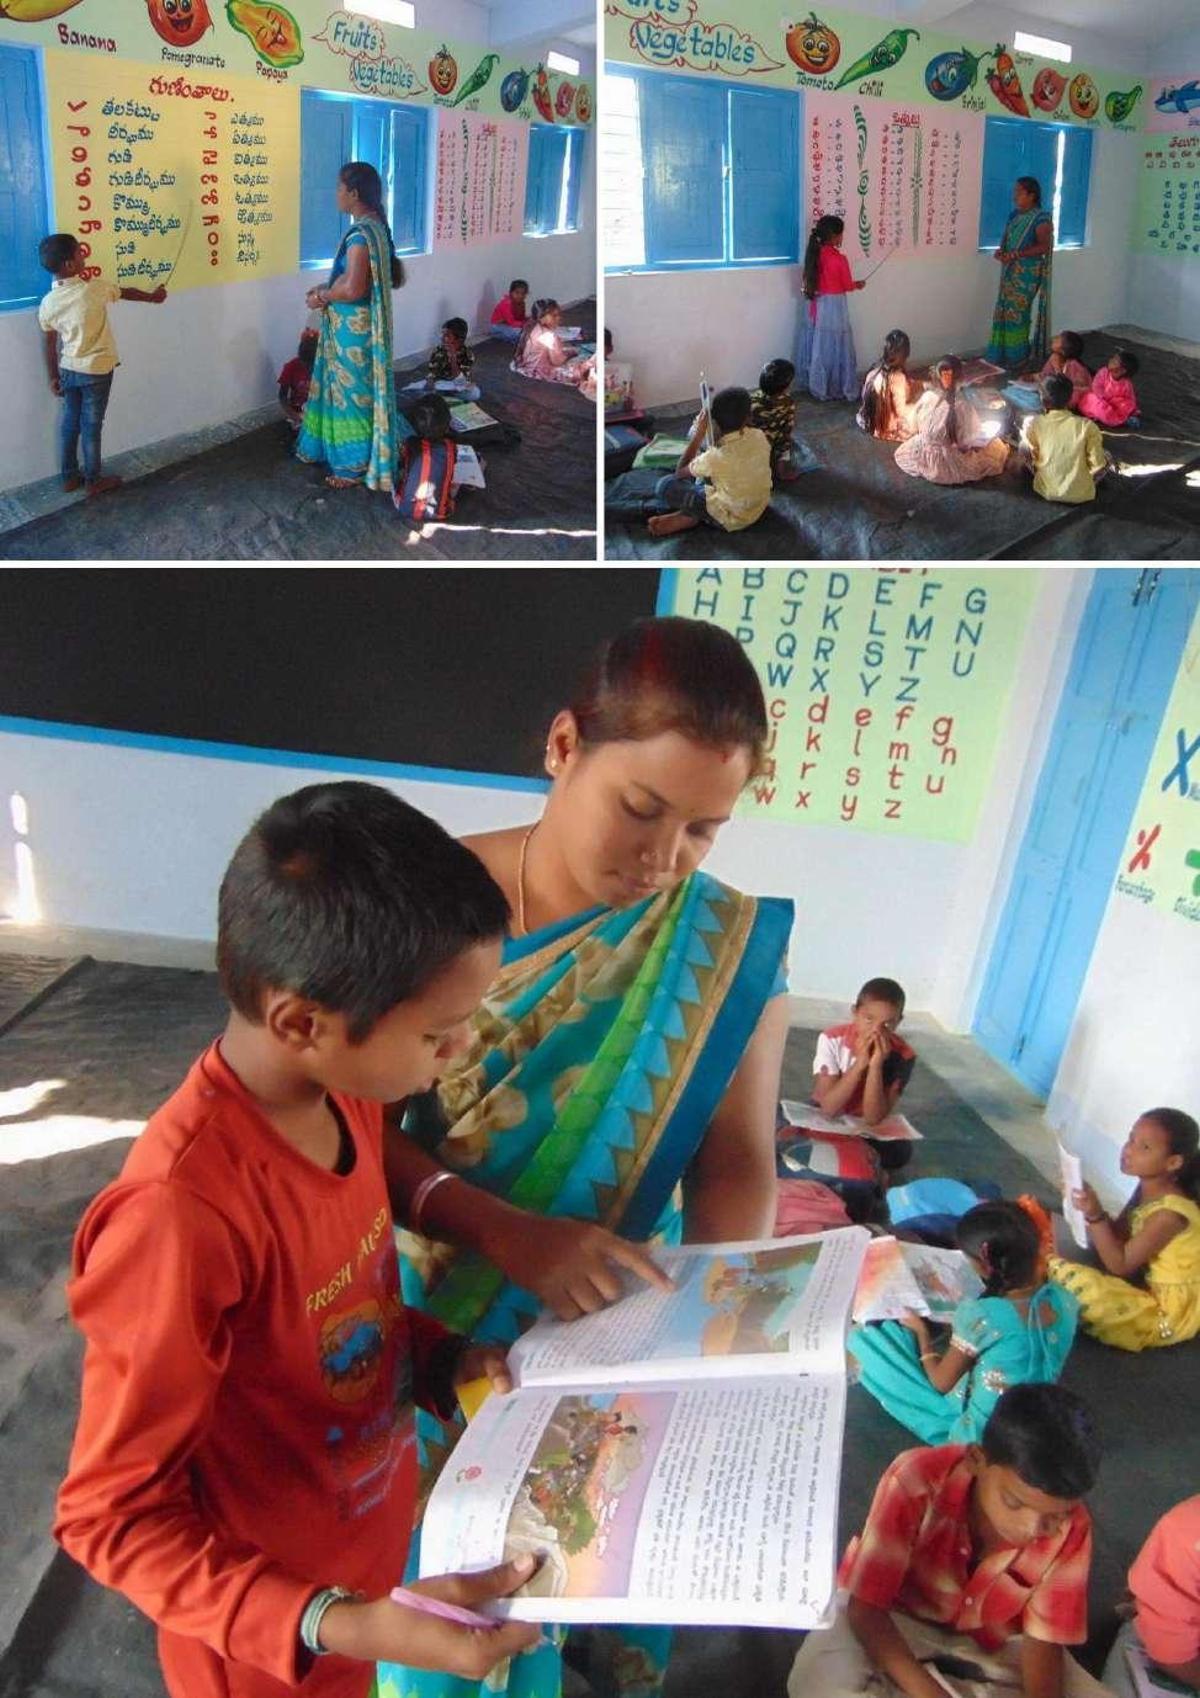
column 81, row 356
column 727, row 485
column 1066, row 452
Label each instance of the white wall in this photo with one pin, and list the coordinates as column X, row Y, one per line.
column 945, row 305
column 208, row 355
column 1164, row 294
column 131, row 841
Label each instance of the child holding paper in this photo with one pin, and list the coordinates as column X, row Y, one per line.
column 244, row 1469
column 1155, row 1237
column 81, row 356
column 973, row 1565
column 727, row 485
column 541, row 352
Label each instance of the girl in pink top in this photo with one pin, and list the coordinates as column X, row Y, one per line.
column 826, row 363
column 541, row 352
column 1066, row 360
column 1111, row 400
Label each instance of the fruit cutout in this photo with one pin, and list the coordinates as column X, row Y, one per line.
column 1084, row 96
column 272, row 31
column 951, row 75
column 443, row 71
column 181, row 22
column 541, row 94
column 813, row 46
column 479, row 78
column 583, row 104
column 513, row 89
column 33, row 11
column 881, row 57
column 1048, row 89
column 564, row 100
column 1117, row 106
column 1005, row 83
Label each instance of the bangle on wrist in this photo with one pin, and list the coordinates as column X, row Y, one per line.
column 1094, row 1220
column 927, row 1356
column 314, row 1614
column 422, row 1194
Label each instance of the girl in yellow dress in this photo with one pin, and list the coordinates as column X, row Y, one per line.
column 1157, row 1231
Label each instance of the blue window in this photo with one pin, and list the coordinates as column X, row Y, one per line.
column 698, row 173
column 24, row 200
column 1058, row 155
column 392, row 137
column 554, row 180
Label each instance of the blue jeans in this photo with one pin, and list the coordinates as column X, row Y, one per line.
column 506, row 332
column 682, row 495
column 85, row 401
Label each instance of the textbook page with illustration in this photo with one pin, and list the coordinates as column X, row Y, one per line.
column 897, row 1276
column 810, row 1119
column 736, row 1310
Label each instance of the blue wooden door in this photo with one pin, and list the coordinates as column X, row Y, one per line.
column 1126, row 655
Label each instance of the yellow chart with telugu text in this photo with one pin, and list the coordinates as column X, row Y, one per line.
column 174, row 177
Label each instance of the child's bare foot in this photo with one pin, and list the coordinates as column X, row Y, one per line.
column 71, row 484
column 341, row 483
column 103, row 486
column 668, row 524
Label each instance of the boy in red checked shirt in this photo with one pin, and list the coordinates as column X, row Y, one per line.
column 971, row 1573
column 244, row 1468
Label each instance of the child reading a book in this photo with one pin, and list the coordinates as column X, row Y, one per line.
column 296, row 378
column 973, row 1565
column 949, row 444
column 1111, row 399
column 862, row 1067
column 1155, row 1239
column 509, row 313
column 244, row 1469
column 81, row 357
column 727, row 485
column 452, row 361
column 1066, row 360
column 542, row 353
column 1165, row 1586
column 773, row 411
column 1018, row 1332
column 1066, row 453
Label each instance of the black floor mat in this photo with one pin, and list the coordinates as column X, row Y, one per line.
column 859, row 506
column 249, row 500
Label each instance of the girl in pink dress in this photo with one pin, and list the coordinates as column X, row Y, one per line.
column 826, row 363
column 949, row 445
column 542, row 353
column 1111, row 400
column 1066, row 360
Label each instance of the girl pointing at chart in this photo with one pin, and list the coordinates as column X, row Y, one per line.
column 826, row 362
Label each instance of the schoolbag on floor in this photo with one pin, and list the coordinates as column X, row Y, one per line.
column 425, row 482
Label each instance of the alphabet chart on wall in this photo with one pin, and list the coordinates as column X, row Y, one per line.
column 885, row 690
column 481, row 168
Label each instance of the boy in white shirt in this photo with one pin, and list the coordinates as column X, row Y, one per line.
column 81, row 356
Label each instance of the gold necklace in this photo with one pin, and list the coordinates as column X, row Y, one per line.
column 522, row 929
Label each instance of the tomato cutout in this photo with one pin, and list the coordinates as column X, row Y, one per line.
column 443, row 71
column 1085, row 96
column 813, row 46
column 181, row 22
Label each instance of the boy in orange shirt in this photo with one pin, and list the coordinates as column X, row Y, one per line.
column 244, row 1468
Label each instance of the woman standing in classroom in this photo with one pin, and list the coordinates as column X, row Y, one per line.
column 349, row 422
column 623, row 1073
column 1026, row 254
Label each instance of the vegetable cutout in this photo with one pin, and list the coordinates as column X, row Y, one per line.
column 583, row 104
column 541, row 94
column 271, row 30
column 513, row 89
column 1048, row 89
column 1118, row 106
column 881, row 57
column 813, row 46
column 479, row 78
column 564, row 100
column 1084, row 96
column 952, row 75
column 1177, row 99
column 1005, row 84
column 443, row 71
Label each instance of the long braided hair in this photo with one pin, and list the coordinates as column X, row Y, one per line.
column 363, row 180
column 952, row 364
column 896, row 349
column 822, row 230
column 537, row 313
column 1004, row 1241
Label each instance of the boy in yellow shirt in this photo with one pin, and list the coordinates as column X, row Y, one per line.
column 1066, row 452
column 81, row 356
column 727, row 485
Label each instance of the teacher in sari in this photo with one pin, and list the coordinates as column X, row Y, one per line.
column 1026, row 253
column 349, row 423
column 622, row 1079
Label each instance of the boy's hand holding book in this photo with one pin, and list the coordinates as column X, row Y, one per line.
column 382, row 1631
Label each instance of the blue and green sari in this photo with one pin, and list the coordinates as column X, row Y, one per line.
column 1021, row 321
column 349, row 423
column 599, row 1056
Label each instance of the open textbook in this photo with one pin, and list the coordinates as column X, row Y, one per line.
column 897, row 1276
column 810, row 1119
column 1149, row 1681
column 675, row 1458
